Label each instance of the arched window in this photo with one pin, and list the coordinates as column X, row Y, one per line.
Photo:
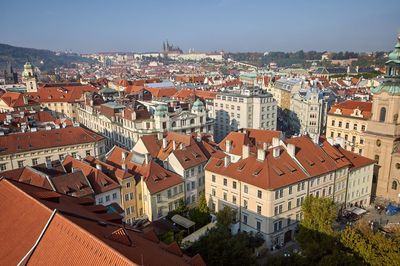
column 382, row 114
column 173, row 124
column 394, row 185
column 191, row 121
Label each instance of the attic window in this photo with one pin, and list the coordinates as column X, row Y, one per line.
column 278, row 171
column 163, row 174
column 291, row 168
column 186, row 158
column 310, row 163
column 196, row 155
column 257, row 171
column 321, row 159
column 241, row 167
column 219, row 163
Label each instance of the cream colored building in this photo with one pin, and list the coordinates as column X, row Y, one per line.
column 347, row 122
column 124, row 126
column 249, row 107
column 265, row 179
column 32, row 148
column 283, row 88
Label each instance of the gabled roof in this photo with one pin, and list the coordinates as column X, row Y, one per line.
column 28, row 175
column 271, row 173
column 29, row 141
column 99, row 181
column 73, row 232
column 347, row 108
column 61, row 93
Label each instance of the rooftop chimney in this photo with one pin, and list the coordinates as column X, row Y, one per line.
column 173, row 145
column 124, row 153
column 146, row 158
column 227, row 160
column 265, row 146
column 276, row 152
column 245, row 151
column 291, row 149
column 260, row 154
column 98, row 166
column 123, row 166
column 164, row 143
column 159, row 135
column 275, row 142
column 316, row 139
column 228, row 145
column 199, row 137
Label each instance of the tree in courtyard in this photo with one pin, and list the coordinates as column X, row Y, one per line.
column 226, row 216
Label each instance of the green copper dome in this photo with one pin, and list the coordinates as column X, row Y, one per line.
column 28, row 65
column 395, row 54
column 391, row 83
column 161, row 110
column 198, row 106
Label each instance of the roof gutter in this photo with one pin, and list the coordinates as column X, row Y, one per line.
column 26, row 258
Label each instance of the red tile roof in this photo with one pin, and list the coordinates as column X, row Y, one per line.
column 75, row 235
column 64, row 93
column 29, row 141
column 29, row 176
column 16, row 99
column 347, row 108
column 100, row 182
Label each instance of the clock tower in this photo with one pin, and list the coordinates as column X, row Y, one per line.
column 29, row 78
column 383, row 130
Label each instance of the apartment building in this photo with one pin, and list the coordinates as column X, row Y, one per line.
column 32, row 148
column 158, row 190
column 62, row 99
column 265, row 179
column 283, row 88
column 347, row 122
column 309, row 108
column 185, row 155
column 246, row 107
column 15, row 101
column 123, row 125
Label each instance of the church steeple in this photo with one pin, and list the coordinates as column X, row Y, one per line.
column 29, row 77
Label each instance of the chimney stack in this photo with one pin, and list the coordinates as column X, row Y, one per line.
column 124, row 153
column 199, row 137
column 276, row 152
column 98, row 166
column 245, row 151
column 291, row 149
column 227, row 160
column 146, row 158
column 260, row 154
column 275, row 142
column 173, row 145
column 228, row 145
column 164, row 143
column 159, row 135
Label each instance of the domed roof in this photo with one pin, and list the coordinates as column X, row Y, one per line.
column 198, row 105
column 28, row 65
column 395, row 54
column 161, row 110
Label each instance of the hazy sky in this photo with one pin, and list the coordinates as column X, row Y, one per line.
column 205, row 25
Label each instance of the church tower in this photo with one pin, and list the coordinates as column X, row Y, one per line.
column 29, row 78
column 383, row 130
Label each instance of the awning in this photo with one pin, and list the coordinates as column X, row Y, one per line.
column 182, row 221
column 356, row 210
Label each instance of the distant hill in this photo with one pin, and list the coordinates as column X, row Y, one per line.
column 46, row 60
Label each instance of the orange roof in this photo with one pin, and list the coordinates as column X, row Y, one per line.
column 347, row 108
column 356, row 160
column 162, row 92
column 15, row 99
column 64, row 93
column 116, row 173
column 99, row 180
column 75, row 235
column 28, row 141
column 271, row 173
column 29, row 176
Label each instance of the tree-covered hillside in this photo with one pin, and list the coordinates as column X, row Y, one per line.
column 44, row 59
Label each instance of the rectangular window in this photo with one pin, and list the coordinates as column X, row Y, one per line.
column 290, row 190
column 114, row 195
column 3, row 167
column 245, row 204
column 234, row 199
column 258, row 226
column 289, row 205
column 213, row 192
column 128, row 184
column 126, row 197
column 258, row 209
column 234, row 184
column 225, row 196
column 158, row 198
column 169, row 193
column 245, row 189
column 213, row 178
column 34, row 161
column 225, row 182
column 20, row 164
column 259, row 194
column 245, row 219
column 107, row 198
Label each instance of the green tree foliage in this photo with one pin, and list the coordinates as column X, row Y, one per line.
column 201, row 214
column 373, row 247
column 226, row 216
column 219, row 247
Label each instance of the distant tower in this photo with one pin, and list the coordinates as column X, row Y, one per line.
column 10, row 77
column 29, row 78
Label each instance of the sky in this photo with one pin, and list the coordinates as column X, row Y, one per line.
column 87, row 26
